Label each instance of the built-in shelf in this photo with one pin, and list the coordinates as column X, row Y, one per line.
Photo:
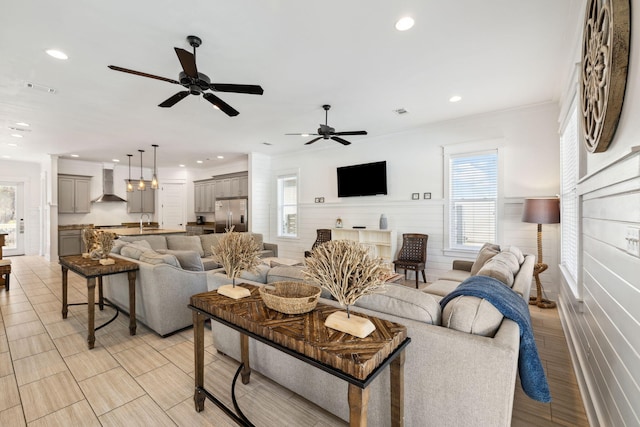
column 382, row 242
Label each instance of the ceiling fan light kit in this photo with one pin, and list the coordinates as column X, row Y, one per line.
column 195, row 82
column 327, row 132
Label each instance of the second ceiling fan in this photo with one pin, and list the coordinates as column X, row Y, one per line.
column 195, row 82
column 327, row 132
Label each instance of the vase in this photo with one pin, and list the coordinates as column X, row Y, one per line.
column 383, row 222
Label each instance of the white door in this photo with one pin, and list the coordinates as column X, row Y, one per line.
column 12, row 217
column 173, row 206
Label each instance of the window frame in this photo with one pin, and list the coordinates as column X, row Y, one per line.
column 280, row 178
column 470, row 149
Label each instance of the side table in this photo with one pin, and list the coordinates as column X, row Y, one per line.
column 92, row 269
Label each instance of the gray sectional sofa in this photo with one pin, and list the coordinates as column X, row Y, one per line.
column 172, row 268
column 460, row 367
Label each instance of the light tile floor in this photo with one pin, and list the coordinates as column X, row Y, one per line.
column 48, row 377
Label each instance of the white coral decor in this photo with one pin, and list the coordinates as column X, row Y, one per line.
column 345, row 268
column 236, row 252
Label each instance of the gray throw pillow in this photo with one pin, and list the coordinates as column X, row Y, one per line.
column 189, row 260
column 158, row 258
column 136, row 249
column 258, row 275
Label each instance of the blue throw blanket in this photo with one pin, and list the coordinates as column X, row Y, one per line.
column 514, row 307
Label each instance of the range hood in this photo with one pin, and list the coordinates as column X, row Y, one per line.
column 107, row 188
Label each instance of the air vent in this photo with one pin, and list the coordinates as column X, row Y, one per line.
column 400, row 111
column 19, row 129
column 39, row 87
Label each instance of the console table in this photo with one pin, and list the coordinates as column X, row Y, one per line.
column 304, row 336
column 92, row 269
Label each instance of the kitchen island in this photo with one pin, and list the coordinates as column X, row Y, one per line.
column 145, row 231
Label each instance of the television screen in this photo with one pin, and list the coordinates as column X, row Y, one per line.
column 367, row 179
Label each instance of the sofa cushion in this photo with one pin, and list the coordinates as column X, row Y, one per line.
column 189, row 260
column 209, row 263
column 185, row 243
column 209, row 240
column 486, row 252
column 158, row 258
column 441, row 287
column 472, row 315
column 403, row 302
column 501, row 267
column 516, row 251
column 258, row 275
column 118, row 244
column 135, row 249
column 258, row 239
column 156, row 242
column 456, row 275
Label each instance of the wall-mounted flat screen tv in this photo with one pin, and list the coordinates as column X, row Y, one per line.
column 367, row 179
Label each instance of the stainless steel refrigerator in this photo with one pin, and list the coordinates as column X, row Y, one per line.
column 232, row 212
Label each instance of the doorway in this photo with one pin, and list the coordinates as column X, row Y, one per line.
column 172, row 206
column 12, row 217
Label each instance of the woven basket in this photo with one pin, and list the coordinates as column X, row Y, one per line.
column 291, row 297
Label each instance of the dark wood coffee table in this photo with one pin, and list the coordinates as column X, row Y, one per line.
column 92, row 269
column 304, row 336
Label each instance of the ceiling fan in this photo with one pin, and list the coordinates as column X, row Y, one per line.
column 327, row 132
column 195, row 82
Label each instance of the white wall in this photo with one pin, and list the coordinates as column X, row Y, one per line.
column 29, row 174
column 415, row 165
column 603, row 330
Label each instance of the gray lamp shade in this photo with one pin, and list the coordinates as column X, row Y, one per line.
column 541, row 211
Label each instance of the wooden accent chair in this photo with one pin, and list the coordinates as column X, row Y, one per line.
column 412, row 255
column 323, row 235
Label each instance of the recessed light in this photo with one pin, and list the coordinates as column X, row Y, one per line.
column 6, row 157
column 181, row 166
column 455, row 98
column 57, row 54
column 12, row 144
column 199, row 161
column 75, row 155
column 405, row 23
column 23, row 124
column 115, row 160
column 304, row 135
column 16, row 135
column 219, row 157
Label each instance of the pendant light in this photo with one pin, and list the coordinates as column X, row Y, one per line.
column 141, row 185
column 154, row 180
column 129, row 184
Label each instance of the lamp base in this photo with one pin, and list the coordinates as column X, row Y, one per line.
column 542, row 302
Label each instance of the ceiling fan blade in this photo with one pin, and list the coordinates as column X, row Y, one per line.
column 174, row 99
column 188, row 62
column 340, row 140
column 313, row 140
column 354, row 132
column 226, row 108
column 138, row 73
column 227, row 87
column 302, row 134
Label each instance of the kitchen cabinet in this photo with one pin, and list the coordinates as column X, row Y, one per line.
column 223, row 188
column 195, row 230
column 142, row 201
column 70, row 242
column 204, row 196
column 74, row 194
column 233, row 186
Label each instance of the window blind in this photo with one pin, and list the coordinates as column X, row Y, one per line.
column 473, row 199
column 569, row 140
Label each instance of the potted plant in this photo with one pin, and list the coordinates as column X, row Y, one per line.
column 348, row 272
column 235, row 252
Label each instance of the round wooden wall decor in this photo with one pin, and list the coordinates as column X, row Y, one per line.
column 605, row 59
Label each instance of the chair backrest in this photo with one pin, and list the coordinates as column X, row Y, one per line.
column 324, row 235
column 414, row 247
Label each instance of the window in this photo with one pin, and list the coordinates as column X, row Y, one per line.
column 473, row 199
column 569, row 156
column 288, row 206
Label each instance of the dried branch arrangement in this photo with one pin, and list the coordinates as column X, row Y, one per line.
column 105, row 240
column 89, row 239
column 236, row 252
column 345, row 268
column 101, row 242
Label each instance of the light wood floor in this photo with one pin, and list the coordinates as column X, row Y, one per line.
column 48, row 377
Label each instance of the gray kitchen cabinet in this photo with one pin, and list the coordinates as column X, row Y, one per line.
column 70, row 242
column 142, row 201
column 204, row 196
column 74, row 194
column 223, row 188
column 195, row 230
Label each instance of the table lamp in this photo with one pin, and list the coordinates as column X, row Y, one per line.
column 541, row 211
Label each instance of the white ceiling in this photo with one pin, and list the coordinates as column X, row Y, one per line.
column 496, row 54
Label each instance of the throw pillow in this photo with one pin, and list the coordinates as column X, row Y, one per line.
column 189, row 260
column 118, row 245
column 156, row 242
column 516, row 251
column 487, row 251
column 185, row 243
column 209, row 240
column 501, row 267
column 403, row 302
column 136, row 249
column 158, row 258
column 472, row 315
column 259, row 275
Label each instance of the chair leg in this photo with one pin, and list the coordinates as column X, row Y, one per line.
column 424, row 277
column 416, row 278
column 6, row 281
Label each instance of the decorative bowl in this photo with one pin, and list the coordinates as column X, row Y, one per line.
column 291, row 297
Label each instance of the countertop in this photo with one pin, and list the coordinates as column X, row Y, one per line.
column 144, row 232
